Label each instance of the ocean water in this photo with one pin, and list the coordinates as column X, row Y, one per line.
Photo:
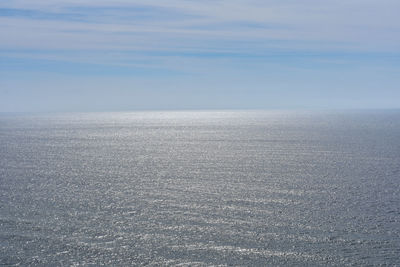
column 229, row 188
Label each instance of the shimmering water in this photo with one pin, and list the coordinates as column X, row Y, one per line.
column 200, row 188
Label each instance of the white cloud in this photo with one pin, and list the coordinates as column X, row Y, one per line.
column 368, row 25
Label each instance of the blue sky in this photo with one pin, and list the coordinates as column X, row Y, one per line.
column 70, row 55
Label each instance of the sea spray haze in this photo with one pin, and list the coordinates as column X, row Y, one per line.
column 208, row 188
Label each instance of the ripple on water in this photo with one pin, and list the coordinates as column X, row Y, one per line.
column 200, row 189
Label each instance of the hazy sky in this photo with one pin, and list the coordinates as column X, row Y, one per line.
column 81, row 55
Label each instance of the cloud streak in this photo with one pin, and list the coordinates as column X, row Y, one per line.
column 366, row 25
column 224, row 45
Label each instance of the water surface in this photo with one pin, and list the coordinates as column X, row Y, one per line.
column 200, row 188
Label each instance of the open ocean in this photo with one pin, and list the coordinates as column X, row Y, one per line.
column 235, row 188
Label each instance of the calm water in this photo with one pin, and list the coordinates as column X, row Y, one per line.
column 200, row 188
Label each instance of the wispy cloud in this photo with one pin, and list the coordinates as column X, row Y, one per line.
column 223, row 45
column 133, row 33
column 195, row 24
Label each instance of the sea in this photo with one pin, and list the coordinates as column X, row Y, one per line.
column 200, row 188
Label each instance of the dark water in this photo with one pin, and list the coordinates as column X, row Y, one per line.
column 200, row 188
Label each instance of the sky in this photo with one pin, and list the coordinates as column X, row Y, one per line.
column 97, row 55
